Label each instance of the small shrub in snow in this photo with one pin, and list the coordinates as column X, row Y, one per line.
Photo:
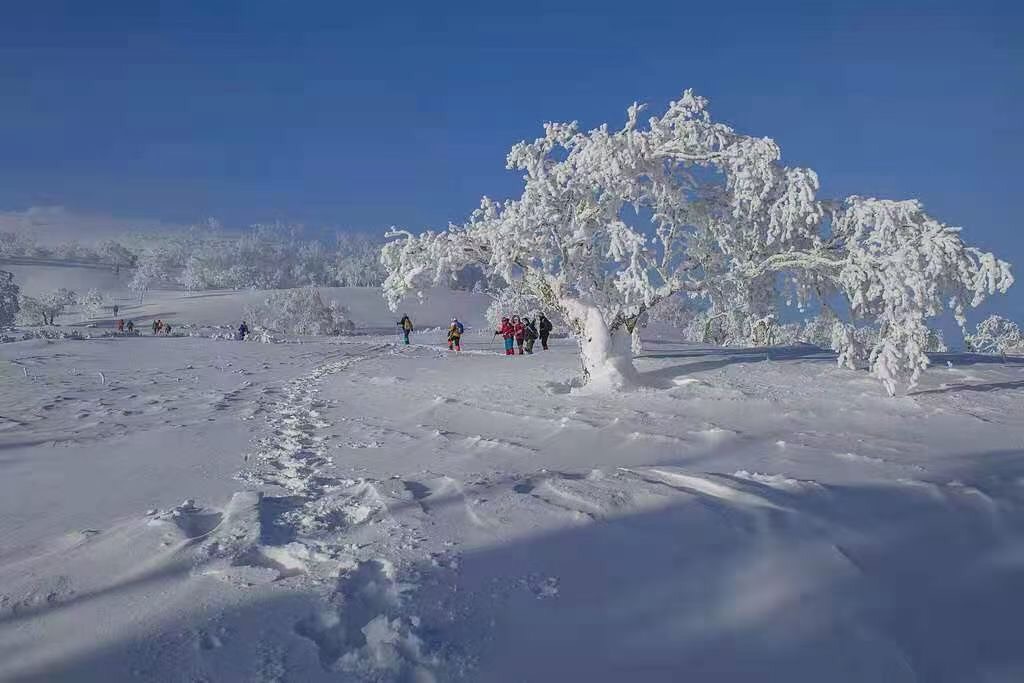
column 300, row 311
column 996, row 334
column 51, row 334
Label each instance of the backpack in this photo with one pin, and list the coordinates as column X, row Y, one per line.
column 462, row 328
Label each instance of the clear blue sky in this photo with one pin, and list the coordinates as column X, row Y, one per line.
column 365, row 114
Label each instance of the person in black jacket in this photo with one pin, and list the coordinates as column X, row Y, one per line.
column 531, row 334
column 544, row 330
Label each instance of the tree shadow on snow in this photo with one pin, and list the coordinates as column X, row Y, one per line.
column 810, row 583
column 974, row 359
column 984, row 387
column 723, row 357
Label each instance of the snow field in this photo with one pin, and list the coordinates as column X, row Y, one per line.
column 356, row 509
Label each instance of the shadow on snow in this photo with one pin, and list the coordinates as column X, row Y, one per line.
column 900, row 581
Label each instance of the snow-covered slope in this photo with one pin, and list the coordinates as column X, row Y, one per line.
column 181, row 509
column 226, row 307
column 38, row 276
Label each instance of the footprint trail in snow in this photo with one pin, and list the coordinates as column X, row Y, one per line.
column 329, row 533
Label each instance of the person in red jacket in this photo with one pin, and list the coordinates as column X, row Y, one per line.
column 519, row 332
column 507, row 333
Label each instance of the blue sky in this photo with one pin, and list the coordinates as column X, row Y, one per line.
column 364, row 115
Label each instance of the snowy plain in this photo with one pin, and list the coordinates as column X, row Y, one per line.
column 197, row 509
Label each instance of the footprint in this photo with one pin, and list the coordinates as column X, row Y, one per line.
column 365, row 632
column 524, row 487
column 418, row 490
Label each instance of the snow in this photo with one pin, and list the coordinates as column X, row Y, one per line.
column 353, row 509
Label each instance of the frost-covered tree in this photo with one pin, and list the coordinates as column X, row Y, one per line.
column 75, row 251
column 996, row 334
column 30, row 311
column 513, row 299
column 610, row 223
column 91, row 304
column 9, row 294
column 300, row 311
column 150, row 270
column 357, row 260
column 45, row 309
column 312, row 265
column 194, row 276
column 18, row 243
column 116, row 255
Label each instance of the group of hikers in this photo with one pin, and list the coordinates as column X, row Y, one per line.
column 161, row 327
column 120, row 325
column 516, row 332
column 128, row 327
column 523, row 332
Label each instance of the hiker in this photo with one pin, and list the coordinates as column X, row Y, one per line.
column 507, row 333
column 243, row 331
column 131, row 327
column 406, row 324
column 115, row 310
column 156, row 326
column 120, row 325
column 167, row 329
column 519, row 332
column 455, row 335
column 544, row 331
column 531, row 334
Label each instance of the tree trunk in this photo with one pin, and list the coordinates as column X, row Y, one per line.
column 605, row 353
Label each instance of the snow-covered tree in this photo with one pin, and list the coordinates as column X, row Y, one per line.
column 611, row 223
column 300, row 311
column 30, row 311
column 150, row 270
column 45, row 309
column 514, row 299
column 91, row 304
column 193, row 276
column 20, row 242
column 116, row 255
column 357, row 260
column 996, row 334
column 75, row 251
column 9, row 294
column 312, row 265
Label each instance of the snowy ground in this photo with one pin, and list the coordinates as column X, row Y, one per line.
column 364, row 511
